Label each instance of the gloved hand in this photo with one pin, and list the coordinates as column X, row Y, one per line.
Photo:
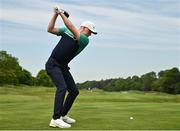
column 58, row 10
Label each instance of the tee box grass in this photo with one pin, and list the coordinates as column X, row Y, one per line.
column 30, row 108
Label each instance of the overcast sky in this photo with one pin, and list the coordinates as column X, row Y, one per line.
column 134, row 36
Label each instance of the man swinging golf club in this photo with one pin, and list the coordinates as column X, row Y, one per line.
column 72, row 42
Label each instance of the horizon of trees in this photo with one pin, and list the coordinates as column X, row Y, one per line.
column 11, row 73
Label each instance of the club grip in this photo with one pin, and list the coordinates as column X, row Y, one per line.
column 66, row 14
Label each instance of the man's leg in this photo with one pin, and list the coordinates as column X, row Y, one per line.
column 57, row 77
column 73, row 92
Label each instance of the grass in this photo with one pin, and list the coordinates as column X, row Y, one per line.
column 24, row 108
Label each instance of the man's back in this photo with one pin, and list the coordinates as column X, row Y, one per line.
column 68, row 47
column 65, row 50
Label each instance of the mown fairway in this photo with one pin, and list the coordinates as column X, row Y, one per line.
column 31, row 108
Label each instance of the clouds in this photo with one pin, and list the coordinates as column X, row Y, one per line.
column 144, row 24
column 24, row 13
column 147, row 25
column 145, row 31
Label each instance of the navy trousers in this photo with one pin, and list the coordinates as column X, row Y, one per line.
column 63, row 81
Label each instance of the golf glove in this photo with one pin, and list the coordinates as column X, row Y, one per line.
column 58, row 10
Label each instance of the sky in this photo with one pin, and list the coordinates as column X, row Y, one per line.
column 134, row 36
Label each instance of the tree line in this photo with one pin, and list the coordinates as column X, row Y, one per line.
column 168, row 81
column 11, row 73
column 165, row 81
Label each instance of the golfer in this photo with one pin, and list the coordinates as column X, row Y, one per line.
column 72, row 42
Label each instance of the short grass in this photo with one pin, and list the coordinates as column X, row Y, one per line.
column 24, row 108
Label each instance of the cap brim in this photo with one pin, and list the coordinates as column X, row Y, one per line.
column 94, row 32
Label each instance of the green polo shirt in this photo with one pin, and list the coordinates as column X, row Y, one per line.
column 82, row 42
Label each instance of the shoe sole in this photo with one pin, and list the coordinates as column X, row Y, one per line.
column 54, row 126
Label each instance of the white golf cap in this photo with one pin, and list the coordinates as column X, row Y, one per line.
column 90, row 25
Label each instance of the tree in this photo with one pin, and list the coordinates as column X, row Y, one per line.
column 147, row 80
column 9, row 69
column 177, row 88
column 169, row 80
column 110, row 86
column 25, row 77
column 121, row 84
column 136, row 83
column 42, row 79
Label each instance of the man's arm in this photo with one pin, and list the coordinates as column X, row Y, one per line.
column 70, row 26
column 51, row 28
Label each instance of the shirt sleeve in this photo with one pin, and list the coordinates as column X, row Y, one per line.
column 62, row 31
column 82, row 42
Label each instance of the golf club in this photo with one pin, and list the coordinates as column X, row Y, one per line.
column 58, row 10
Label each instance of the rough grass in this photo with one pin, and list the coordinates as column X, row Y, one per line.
column 31, row 108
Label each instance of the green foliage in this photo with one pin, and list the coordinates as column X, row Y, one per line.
column 25, row 77
column 169, row 81
column 110, row 86
column 43, row 79
column 147, row 80
column 136, row 83
column 10, row 69
column 165, row 81
column 177, row 88
column 12, row 73
column 89, row 85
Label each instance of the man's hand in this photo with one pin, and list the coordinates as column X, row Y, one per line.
column 67, row 22
column 58, row 10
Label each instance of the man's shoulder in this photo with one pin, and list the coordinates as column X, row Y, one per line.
column 65, row 30
column 62, row 30
column 83, row 39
